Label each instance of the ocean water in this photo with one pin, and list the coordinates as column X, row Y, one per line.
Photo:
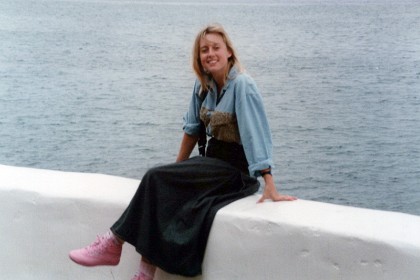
column 102, row 85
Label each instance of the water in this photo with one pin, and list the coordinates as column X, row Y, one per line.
column 101, row 86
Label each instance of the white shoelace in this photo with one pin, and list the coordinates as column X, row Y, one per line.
column 99, row 246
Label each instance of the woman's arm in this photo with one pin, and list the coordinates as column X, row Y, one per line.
column 256, row 136
column 187, row 145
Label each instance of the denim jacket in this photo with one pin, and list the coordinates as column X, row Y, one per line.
column 237, row 115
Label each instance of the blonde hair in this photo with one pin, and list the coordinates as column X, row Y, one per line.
column 202, row 75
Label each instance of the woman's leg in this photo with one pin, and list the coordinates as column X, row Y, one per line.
column 106, row 250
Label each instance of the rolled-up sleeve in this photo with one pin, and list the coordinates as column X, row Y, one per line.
column 191, row 124
column 253, row 125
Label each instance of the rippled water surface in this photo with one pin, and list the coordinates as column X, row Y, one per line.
column 101, row 86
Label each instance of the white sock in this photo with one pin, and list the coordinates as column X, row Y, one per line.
column 114, row 238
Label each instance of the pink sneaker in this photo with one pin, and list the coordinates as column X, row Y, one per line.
column 106, row 250
column 146, row 272
column 140, row 276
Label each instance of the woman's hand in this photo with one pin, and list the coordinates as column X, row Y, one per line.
column 270, row 192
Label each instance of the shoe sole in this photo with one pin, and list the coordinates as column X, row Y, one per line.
column 114, row 263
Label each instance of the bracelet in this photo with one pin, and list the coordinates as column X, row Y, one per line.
column 265, row 172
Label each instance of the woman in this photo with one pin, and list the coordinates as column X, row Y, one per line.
column 170, row 216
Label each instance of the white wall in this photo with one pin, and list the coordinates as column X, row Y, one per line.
column 44, row 214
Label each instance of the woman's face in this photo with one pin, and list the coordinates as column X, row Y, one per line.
column 214, row 54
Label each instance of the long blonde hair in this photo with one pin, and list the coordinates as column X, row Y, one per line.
column 202, row 75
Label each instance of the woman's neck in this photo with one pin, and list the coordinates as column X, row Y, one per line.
column 220, row 80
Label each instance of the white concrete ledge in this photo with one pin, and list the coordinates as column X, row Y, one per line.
column 44, row 214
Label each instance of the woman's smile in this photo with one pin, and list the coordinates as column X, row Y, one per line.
column 214, row 55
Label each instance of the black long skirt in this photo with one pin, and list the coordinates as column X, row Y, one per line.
column 169, row 218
